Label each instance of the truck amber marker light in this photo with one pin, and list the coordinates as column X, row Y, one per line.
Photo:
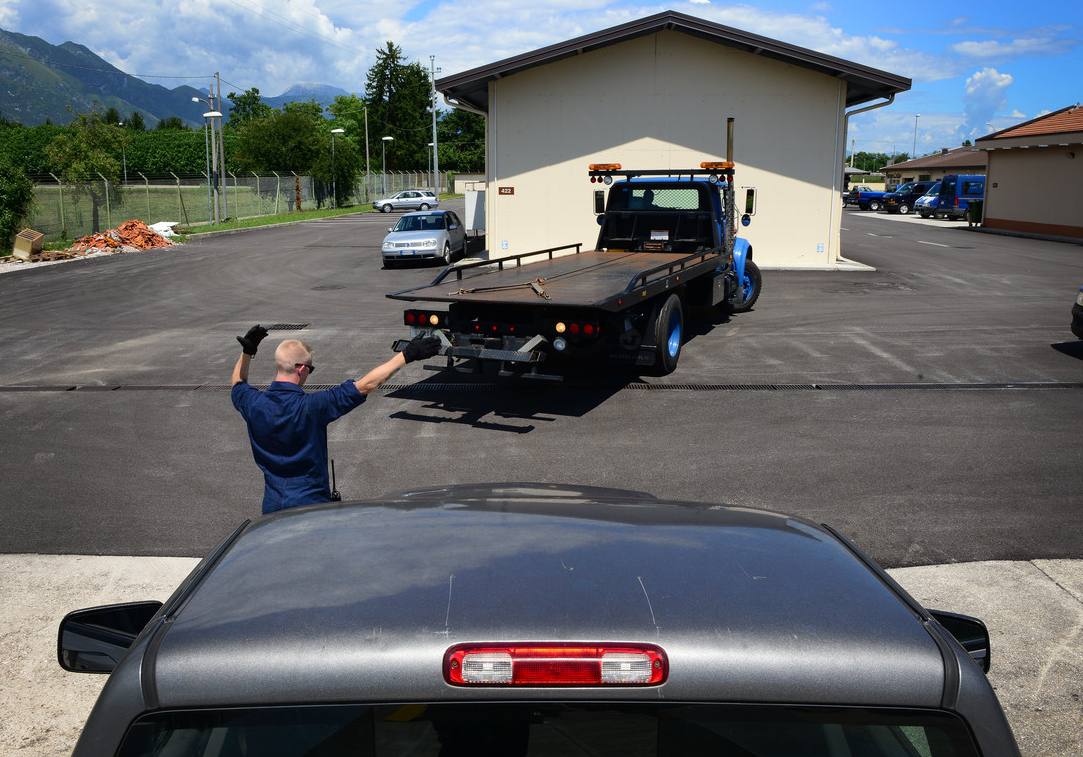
column 555, row 665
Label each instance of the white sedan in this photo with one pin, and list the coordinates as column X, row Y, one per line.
column 407, row 199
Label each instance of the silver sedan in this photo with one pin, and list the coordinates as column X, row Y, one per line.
column 407, row 199
column 426, row 235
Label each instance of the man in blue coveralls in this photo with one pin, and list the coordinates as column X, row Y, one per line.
column 288, row 426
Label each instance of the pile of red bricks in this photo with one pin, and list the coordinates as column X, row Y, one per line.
column 128, row 236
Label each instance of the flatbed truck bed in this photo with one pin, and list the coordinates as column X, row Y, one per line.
column 602, row 279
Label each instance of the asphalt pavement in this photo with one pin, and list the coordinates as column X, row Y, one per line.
column 925, row 402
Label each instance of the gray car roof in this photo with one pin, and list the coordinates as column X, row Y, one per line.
column 360, row 601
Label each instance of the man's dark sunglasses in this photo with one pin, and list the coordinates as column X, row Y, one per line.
column 311, row 368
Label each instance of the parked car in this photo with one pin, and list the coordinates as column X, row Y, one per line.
column 407, row 199
column 850, row 198
column 865, row 198
column 515, row 619
column 902, row 199
column 957, row 192
column 425, row 235
column 1077, row 315
column 925, row 205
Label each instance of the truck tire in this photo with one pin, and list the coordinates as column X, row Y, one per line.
column 668, row 335
column 874, row 204
column 903, row 208
column 750, row 286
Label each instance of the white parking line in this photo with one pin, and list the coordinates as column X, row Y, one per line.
column 934, row 244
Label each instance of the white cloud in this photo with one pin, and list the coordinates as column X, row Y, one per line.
column 985, row 93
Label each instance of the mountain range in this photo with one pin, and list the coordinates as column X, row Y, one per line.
column 40, row 82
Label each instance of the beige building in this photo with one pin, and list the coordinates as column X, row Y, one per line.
column 655, row 94
column 1035, row 171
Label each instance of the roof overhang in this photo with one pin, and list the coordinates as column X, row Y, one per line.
column 470, row 89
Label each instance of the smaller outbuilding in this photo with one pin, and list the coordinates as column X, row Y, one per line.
column 1035, row 171
column 961, row 160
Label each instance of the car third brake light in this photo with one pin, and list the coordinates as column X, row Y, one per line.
column 555, row 665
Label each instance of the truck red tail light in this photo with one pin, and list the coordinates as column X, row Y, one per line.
column 555, row 665
column 576, row 328
column 424, row 319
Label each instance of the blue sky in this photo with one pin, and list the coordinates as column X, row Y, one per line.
column 972, row 64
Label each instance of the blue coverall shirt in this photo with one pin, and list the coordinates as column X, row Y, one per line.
column 288, row 430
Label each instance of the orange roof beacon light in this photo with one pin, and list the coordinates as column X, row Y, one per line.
column 603, row 167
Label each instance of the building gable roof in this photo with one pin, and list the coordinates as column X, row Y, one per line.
column 958, row 158
column 1064, row 121
column 471, row 88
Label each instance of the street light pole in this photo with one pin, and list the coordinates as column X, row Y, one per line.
column 432, row 176
column 435, row 156
column 334, row 176
column 383, row 159
column 916, row 117
column 124, row 156
column 213, row 177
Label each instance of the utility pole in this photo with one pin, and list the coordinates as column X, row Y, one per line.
column 435, row 152
column 222, row 147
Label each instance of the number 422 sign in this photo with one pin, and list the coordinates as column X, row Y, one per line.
column 506, row 190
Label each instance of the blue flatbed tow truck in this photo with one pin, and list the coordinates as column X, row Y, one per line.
column 667, row 243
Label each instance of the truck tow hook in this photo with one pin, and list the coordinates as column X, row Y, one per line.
column 536, row 285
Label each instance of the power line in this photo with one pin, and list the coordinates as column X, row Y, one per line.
column 286, row 23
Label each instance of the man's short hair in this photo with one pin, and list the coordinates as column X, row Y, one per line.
column 291, row 352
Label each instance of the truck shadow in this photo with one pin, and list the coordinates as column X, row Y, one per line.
column 516, row 406
column 1071, row 349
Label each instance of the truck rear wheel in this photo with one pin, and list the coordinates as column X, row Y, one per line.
column 874, row 204
column 750, row 283
column 668, row 335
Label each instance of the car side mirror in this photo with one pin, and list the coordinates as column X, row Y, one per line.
column 390, row 229
column 95, row 639
column 453, row 226
column 970, row 632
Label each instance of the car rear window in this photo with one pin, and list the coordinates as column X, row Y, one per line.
column 544, row 729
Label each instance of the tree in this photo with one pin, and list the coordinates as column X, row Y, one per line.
column 349, row 113
column 285, row 141
column 398, row 96
column 461, row 141
column 87, row 148
column 16, row 197
column 248, row 106
column 172, row 122
column 135, row 121
column 111, row 115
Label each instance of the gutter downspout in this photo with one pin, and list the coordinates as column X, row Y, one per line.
column 845, row 132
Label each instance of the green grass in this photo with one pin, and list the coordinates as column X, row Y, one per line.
column 251, row 223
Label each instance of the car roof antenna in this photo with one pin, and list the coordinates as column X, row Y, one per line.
column 335, row 496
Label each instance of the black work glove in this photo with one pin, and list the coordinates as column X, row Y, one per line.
column 250, row 341
column 421, row 348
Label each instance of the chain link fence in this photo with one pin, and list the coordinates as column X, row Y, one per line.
column 66, row 210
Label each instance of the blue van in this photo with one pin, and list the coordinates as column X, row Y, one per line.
column 956, row 192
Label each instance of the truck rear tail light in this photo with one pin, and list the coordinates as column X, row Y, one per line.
column 424, row 319
column 575, row 328
column 555, row 665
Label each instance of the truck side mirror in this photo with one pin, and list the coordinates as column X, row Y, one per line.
column 750, row 201
column 599, row 202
